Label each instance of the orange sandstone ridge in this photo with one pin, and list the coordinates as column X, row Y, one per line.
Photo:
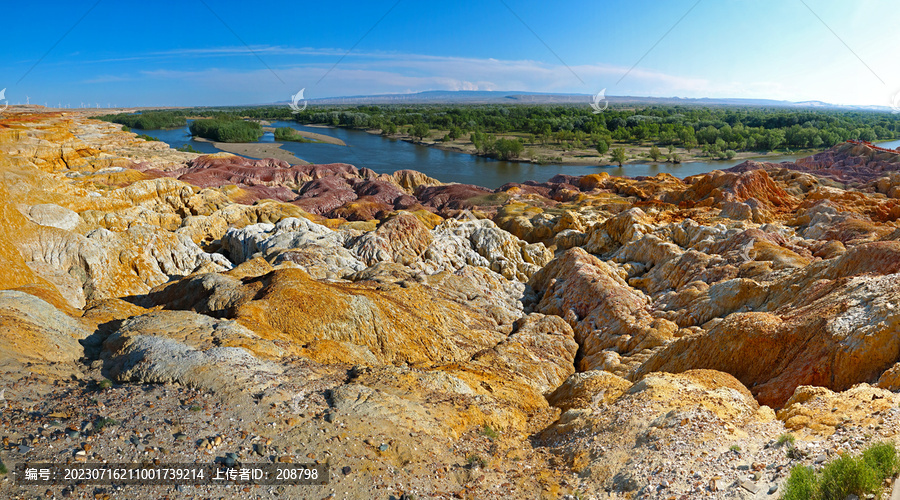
column 590, row 328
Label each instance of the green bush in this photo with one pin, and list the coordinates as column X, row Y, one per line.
column 227, row 130
column 802, row 484
column 845, row 476
column 187, row 148
column 786, row 439
column 104, row 422
column 882, row 457
column 490, row 433
column 477, row 461
column 147, row 137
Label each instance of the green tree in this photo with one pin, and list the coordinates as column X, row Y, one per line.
column 619, row 156
column 420, row 130
column 508, row 148
column 602, row 146
column 655, row 153
column 389, row 129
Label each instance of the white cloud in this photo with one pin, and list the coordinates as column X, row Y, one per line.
column 379, row 73
column 373, row 72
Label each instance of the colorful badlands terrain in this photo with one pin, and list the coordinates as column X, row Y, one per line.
column 596, row 336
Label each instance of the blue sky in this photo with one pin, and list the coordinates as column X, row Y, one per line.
column 180, row 53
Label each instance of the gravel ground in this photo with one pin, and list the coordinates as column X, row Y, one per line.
column 63, row 422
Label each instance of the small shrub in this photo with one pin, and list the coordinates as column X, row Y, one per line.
column 103, row 422
column 104, row 384
column 882, row 458
column 147, row 137
column 847, row 476
column 802, row 484
column 194, row 408
column 490, row 433
column 860, row 476
column 125, row 128
column 3, row 469
column 187, row 148
column 735, row 448
column 476, row 461
column 786, row 439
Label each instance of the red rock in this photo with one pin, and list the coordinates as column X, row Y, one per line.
column 847, row 162
column 717, row 187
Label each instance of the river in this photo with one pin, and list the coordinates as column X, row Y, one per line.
column 384, row 155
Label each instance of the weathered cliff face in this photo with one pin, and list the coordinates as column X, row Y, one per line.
column 608, row 322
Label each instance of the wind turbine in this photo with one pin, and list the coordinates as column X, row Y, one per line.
column 27, row 100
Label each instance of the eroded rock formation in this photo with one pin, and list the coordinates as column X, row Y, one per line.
column 599, row 324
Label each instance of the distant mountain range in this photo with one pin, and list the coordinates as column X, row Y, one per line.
column 516, row 97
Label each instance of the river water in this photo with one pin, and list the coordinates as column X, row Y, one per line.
column 383, row 155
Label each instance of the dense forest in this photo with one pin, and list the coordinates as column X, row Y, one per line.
column 151, row 120
column 503, row 130
column 713, row 129
column 227, row 130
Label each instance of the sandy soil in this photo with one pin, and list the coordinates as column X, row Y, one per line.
column 256, row 150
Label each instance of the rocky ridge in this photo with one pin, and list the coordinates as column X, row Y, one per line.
column 646, row 337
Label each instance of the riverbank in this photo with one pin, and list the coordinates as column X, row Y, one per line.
column 314, row 136
column 549, row 155
column 256, row 150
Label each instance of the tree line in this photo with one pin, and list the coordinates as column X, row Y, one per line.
column 150, row 120
column 714, row 130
